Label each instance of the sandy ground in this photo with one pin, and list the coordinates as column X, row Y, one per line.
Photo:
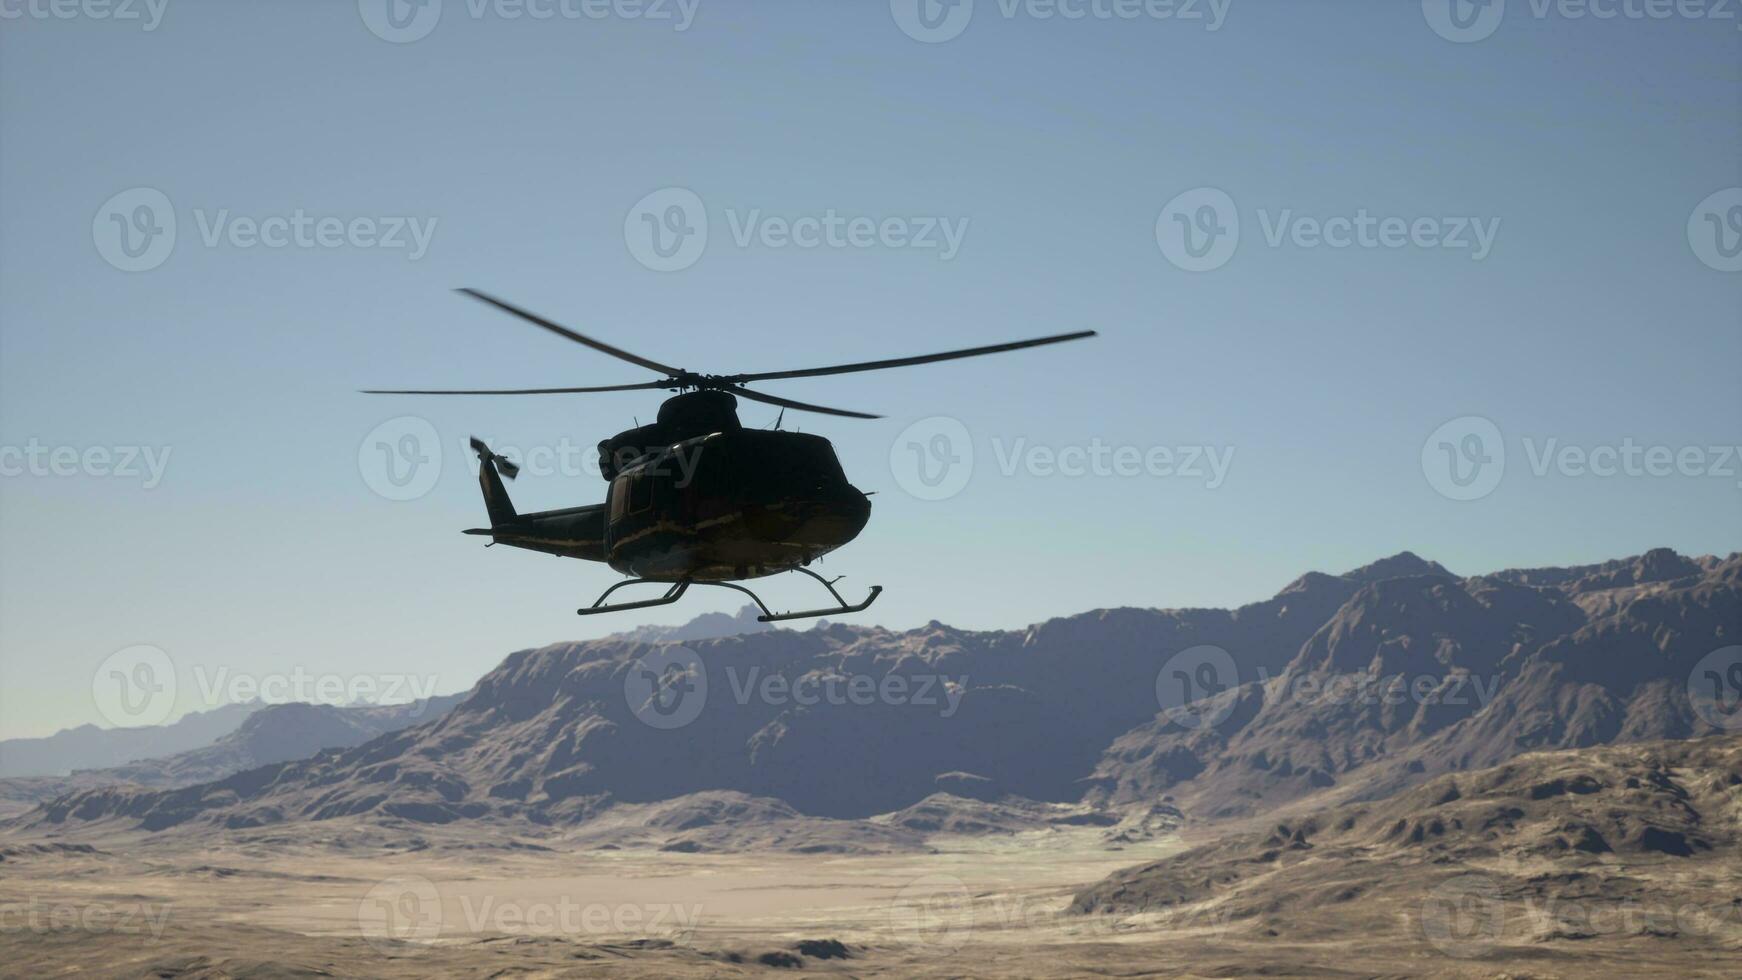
column 364, row 902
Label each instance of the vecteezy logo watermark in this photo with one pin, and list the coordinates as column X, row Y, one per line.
column 135, row 230
column 932, row 459
column 1188, row 685
column 1465, row 458
column 400, row 21
column 1715, row 230
column 148, row 12
column 134, row 686
column 400, row 910
column 666, row 687
column 404, row 21
column 935, row 21
column 1199, row 230
column 1464, row 917
column 933, row 914
column 401, row 458
column 932, row 21
column 145, row 463
column 1715, row 688
column 667, row 230
column 1464, row 21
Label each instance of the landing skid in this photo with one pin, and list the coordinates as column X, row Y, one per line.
column 678, row 588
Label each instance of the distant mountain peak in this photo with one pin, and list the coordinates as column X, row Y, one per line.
column 707, row 626
column 1404, row 564
column 1313, row 582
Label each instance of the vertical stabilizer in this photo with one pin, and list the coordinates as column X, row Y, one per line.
column 491, row 469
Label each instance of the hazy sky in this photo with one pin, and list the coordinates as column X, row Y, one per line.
column 1524, row 208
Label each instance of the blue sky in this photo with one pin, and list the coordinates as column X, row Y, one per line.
column 522, row 147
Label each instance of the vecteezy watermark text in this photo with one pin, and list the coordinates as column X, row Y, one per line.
column 1469, row 21
column 1102, row 459
column 1192, row 687
column 42, row 917
column 1468, row 915
column 861, row 690
column 668, row 229
column 224, row 686
column 933, row 459
column 411, row 908
column 567, row 458
column 139, row 685
column 404, row 21
column 936, row 914
column 1465, row 459
column 136, row 230
column 668, row 686
column 299, row 229
column 1200, row 230
column 147, row 13
column 144, row 463
column 936, row 21
column 401, row 459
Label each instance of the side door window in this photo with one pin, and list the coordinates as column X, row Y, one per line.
column 640, row 493
column 620, row 497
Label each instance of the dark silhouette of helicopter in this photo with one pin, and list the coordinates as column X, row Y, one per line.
column 695, row 498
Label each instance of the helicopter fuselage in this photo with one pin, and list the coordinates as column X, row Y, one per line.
column 726, row 505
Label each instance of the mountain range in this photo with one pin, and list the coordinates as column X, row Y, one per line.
column 1350, row 686
column 268, row 733
column 91, row 747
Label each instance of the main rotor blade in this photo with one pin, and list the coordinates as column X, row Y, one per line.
column 563, row 331
column 512, row 391
column 906, row 361
column 757, row 396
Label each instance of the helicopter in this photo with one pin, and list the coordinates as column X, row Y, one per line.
column 694, row 497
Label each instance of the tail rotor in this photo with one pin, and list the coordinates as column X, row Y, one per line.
column 504, row 465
